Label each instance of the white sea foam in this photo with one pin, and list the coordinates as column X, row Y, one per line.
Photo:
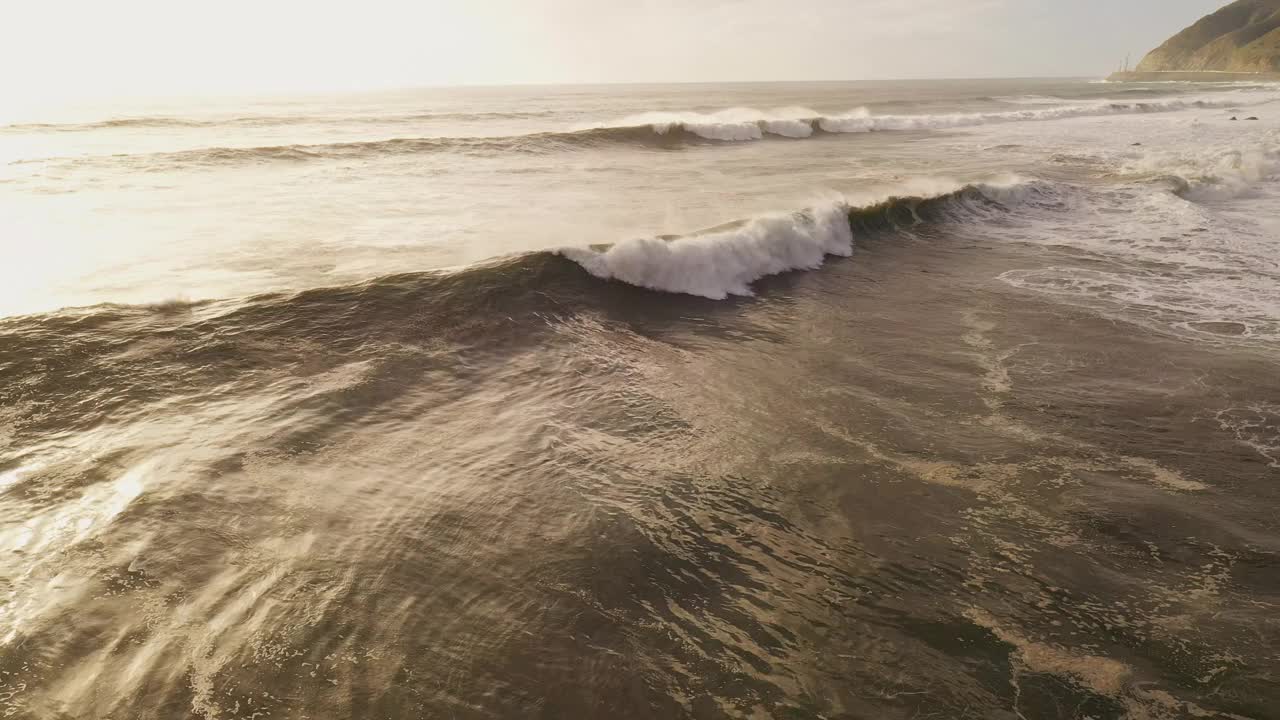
column 1206, row 306
column 1256, row 426
column 718, row 264
column 1200, row 260
column 742, row 124
column 725, row 262
column 863, row 121
column 733, row 124
column 730, row 131
column 1212, row 173
column 788, row 128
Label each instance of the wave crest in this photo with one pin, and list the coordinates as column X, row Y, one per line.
column 718, row 264
column 740, row 124
column 724, row 262
column 653, row 130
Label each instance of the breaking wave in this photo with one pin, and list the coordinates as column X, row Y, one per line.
column 652, row 130
column 725, row 261
column 1211, row 173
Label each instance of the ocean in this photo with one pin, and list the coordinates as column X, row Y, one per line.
column 912, row 399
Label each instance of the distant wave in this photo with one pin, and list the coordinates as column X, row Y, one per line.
column 536, row 143
column 286, row 119
column 655, row 130
column 740, row 124
column 126, row 123
column 864, row 122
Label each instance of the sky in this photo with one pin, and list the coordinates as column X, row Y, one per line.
column 54, row 51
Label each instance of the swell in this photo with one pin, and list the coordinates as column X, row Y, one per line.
column 536, row 143
column 650, row 130
column 250, row 121
column 491, row 309
column 424, row 322
column 713, row 264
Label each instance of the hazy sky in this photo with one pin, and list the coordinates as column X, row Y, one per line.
column 55, row 50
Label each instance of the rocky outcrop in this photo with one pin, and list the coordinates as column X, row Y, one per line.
column 1242, row 37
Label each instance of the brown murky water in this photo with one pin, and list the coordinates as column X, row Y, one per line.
column 1016, row 456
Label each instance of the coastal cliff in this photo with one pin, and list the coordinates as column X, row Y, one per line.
column 1243, row 37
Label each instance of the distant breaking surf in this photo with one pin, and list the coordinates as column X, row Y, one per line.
column 739, row 124
column 656, row 130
